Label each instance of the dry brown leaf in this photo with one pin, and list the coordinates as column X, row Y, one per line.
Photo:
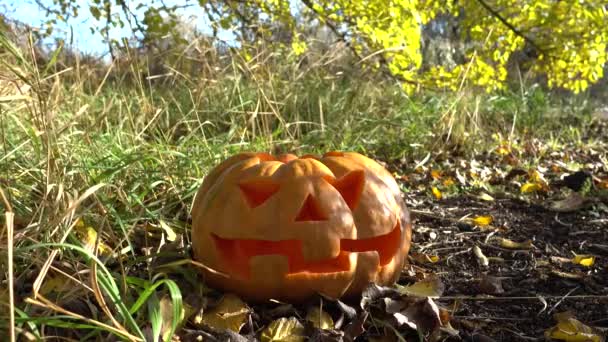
column 424, row 258
column 166, row 313
column 573, row 202
column 568, row 275
column 319, row 318
column 231, row 314
column 491, row 285
column 431, row 287
column 283, row 330
column 570, row 329
column 421, row 314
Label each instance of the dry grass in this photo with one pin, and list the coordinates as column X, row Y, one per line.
column 122, row 151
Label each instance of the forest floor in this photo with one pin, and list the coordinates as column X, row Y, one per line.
column 506, row 252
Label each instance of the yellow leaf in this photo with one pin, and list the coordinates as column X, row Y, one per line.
column 435, row 174
column 56, row 283
column 506, row 243
column 449, row 181
column 88, row 236
column 530, row 187
column 482, row 220
column 319, row 318
column 436, row 193
column 570, row 329
column 430, row 287
column 283, row 330
column 230, row 314
column 503, row 150
column 584, row 259
column 535, row 176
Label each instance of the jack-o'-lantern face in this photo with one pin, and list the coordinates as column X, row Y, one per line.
column 287, row 228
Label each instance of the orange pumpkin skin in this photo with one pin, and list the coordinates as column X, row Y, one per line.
column 288, row 228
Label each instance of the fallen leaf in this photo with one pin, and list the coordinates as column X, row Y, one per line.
column 570, row 329
column 527, row 188
column 449, row 181
column 435, row 174
column 584, row 259
column 88, row 236
column 506, row 243
column 231, row 313
column 568, row 275
column 424, row 258
column 57, row 283
column 536, row 177
column 503, row 150
column 431, row 287
column 171, row 236
column 515, row 173
column 573, row 202
column 483, row 260
column 421, row 314
column 166, row 313
column 485, row 197
column 491, row 285
column 482, row 220
column 373, row 292
column 436, row 193
column 283, row 330
column 356, row 327
column 319, row 318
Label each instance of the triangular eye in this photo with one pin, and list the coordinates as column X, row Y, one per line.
column 256, row 192
column 350, row 187
column 310, row 211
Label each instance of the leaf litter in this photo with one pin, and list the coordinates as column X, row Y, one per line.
column 501, row 250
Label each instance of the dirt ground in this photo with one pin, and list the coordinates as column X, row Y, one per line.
column 533, row 284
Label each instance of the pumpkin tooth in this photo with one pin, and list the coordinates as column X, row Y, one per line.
column 386, row 245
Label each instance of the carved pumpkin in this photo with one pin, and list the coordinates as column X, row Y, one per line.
column 286, row 227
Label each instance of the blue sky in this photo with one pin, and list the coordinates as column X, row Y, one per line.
column 29, row 12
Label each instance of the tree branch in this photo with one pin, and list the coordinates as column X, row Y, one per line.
column 515, row 30
column 342, row 37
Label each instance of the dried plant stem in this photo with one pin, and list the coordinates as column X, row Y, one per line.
column 9, row 218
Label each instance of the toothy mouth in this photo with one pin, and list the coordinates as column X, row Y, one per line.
column 237, row 253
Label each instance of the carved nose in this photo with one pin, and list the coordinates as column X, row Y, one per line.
column 311, row 211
